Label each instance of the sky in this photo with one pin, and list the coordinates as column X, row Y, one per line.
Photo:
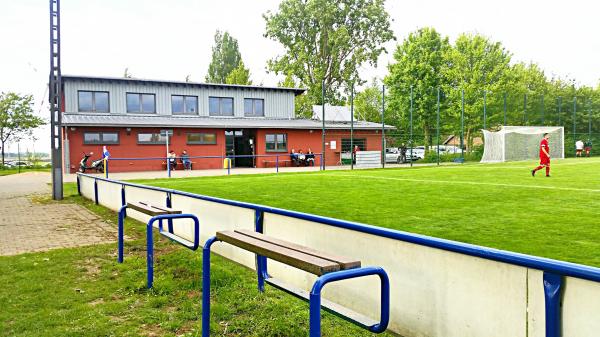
column 172, row 39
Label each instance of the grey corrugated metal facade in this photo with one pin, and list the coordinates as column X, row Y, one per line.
column 278, row 102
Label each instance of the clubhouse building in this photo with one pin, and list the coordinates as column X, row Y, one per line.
column 127, row 116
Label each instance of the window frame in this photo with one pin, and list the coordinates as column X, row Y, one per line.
column 102, row 141
column 188, row 142
column 185, row 105
column 253, row 113
column 93, row 92
column 141, row 105
column 150, row 142
column 345, row 144
column 285, row 136
column 220, row 113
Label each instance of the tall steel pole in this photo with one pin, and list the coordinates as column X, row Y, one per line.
column 352, row 127
column 383, row 126
column 323, row 131
column 484, row 108
column 542, row 109
column 410, row 141
column 438, row 126
column 525, row 109
column 505, row 109
column 55, row 94
column 462, row 125
column 559, row 108
column 589, row 119
column 574, row 117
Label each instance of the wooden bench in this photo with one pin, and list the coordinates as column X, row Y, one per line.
column 150, row 209
column 274, row 162
column 179, row 163
column 329, row 268
column 158, row 213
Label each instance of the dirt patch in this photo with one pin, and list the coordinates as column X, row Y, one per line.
column 96, row 302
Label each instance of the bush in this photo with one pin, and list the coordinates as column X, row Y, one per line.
column 473, row 156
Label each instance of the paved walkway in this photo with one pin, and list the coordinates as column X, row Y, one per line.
column 30, row 221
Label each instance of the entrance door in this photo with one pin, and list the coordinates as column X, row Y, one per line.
column 240, row 143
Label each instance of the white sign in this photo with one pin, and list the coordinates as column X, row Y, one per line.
column 332, row 144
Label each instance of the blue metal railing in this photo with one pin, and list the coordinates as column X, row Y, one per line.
column 554, row 269
column 276, row 156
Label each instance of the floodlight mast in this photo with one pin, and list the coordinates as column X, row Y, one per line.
column 55, row 97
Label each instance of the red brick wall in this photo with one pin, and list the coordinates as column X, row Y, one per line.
column 129, row 148
column 305, row 139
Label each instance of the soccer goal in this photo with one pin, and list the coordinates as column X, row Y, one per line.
column 513, row 143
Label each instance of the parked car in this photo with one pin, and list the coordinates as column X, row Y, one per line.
column 20, row 163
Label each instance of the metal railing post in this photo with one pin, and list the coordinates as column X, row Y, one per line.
column 277, row 163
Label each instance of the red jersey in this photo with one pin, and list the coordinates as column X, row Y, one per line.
column 544, row 146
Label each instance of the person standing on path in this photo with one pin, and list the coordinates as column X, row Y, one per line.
column 544, row 156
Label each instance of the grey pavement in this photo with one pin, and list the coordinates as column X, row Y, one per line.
column 30, row 221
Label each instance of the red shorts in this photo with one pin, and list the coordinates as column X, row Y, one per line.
column 544, row 161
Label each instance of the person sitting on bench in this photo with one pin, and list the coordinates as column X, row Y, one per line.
column 301, row 158
column 294, row 157
column 185, row 160
column 310, row 157
column 172, row 160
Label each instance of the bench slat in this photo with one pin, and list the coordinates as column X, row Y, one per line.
column 288, row 256
column 151, row 209
column 344, row 262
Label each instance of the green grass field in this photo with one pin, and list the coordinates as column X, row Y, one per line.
column 499, row 206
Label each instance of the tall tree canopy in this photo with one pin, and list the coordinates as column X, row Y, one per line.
column 225, row 58
column 16, row 118
column 327, row 41
column 367, row 103
column 421, row 61
column 476, row 64
column 239, row 75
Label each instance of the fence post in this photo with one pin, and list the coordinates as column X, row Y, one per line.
column 96, row 191
column 169, row 204
column 106, row 169
column 438, row 126
column 228, row 166
column 123, row 201
column 78, row 185
column 277, row 163
column 552, row 293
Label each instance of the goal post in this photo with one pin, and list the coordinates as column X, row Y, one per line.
column 513, row 143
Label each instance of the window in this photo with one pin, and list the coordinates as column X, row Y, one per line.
column 276, row 142
column 254, row 107
column 142, row 103
column 360, row 142
column 93, row 101
column 201, row 138
column 151, row 138
column 101, row 138
column 184, row 105
column 220, row 106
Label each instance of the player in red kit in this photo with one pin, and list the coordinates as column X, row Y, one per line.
column 544, row 156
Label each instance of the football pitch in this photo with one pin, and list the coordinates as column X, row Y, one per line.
column 493, row 205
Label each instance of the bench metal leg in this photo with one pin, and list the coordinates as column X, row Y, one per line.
column 206, row 286
column 149, row 254
column 121, row 230
column 315, row 296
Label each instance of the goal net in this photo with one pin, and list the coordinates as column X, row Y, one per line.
column 513, row 143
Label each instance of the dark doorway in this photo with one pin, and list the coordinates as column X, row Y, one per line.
column 240, row 143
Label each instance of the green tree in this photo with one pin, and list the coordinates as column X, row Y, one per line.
column 225, row 58
column 302, row 105
column 420, row 62
column 367, row 103
column 327, row 41
column 239, row 75
column 476, row 64
column 16, row 118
